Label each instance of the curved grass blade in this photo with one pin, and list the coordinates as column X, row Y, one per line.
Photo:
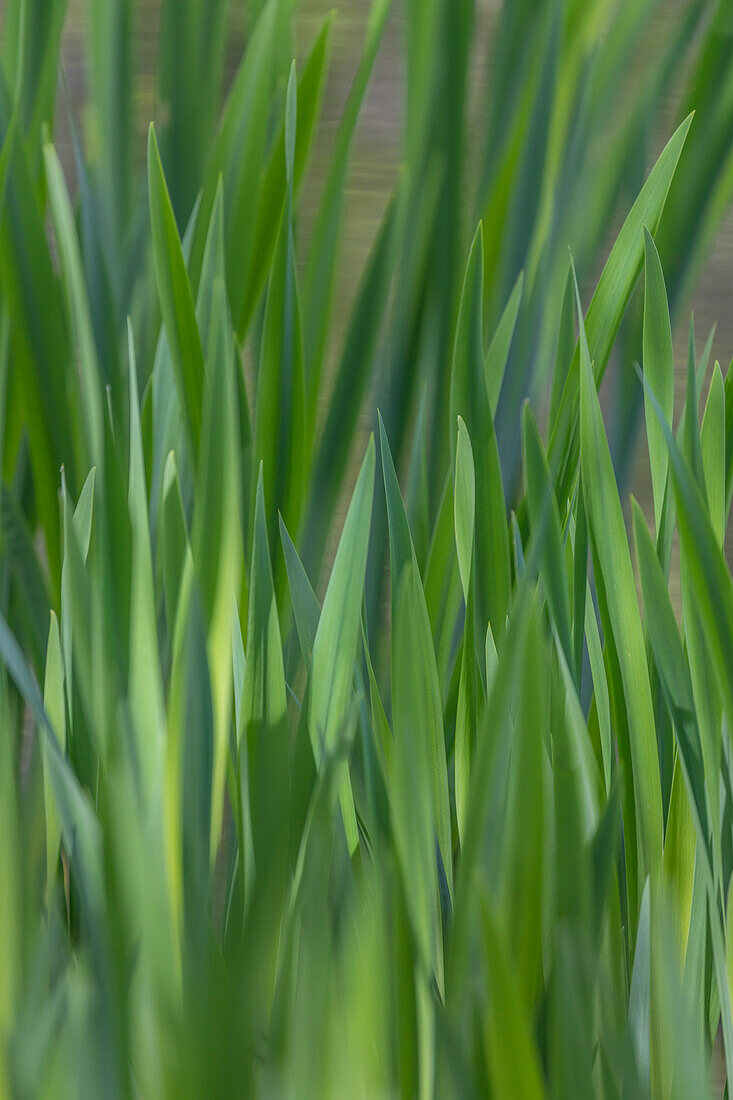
column 497, row 356
column 280, row 424
column 464, row 505
column 54, row 703
column 410, row 800
column 79, row 309
column 145, row 683
column 176, row 299
column 306, row 609
column 402, row 555
column 80, row 828
column 469, row 399
column 335, row 643
column 546, row 527
column 711, row 586
column 672, row 665
column 351, row 381
column 311, row 81
column 712, row 444
column 236, row 157
column 611, row 548
column 658, row 367
column 609, row 305
column 264, row 714
column 464, row 499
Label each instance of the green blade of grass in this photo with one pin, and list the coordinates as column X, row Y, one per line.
column 497, row 356
column 609, row 303
column 306, row 608
column 264, row 716
column 54, row 704
column 236, row 158
column 609, row 539
column 712, row 443
column 334, row 646
column 411, row 808
column 469, row 399
column 21, row 562
column 546, row 526
column 352, row 377
column 402, row 554
column 176, row 300
column 145, row 684
column 217, row 529
column 513, row 1060
column 79, row 307
column 464, row 498
column 658, row 366
column 280, row 418
column 464, row 505
column 311, row 82
column 522, row 847
column 80, row 828
column 672, row 664
column 711, row 582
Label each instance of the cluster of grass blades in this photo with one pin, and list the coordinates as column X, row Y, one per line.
column 474, row 838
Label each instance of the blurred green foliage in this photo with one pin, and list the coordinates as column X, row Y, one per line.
column 466, row 833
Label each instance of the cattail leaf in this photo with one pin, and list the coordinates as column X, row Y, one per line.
column 380, row 725
column 609, row 304
column 402, row 555
column 78, row 307
column 469, row 399
column 236, row 158
column 520, row 889
column 491, row 658
column 280, row 426
column 611, row 548
column 680, row 840
column 464, row 505
column 467, row 714
column 689, row 427
column 173, row 542
column 467, row 705
column 566, row 342
column 306, row 608
column 176, row 299
column 264, row 715
column 352, row 377
column 514, row 1064
column 497, row 356
column 145, row 686
column 728, row 438
column 712, row 443
column 658, row 366
column 546, row 528
column 335, row 643
column 29, row 583
column 55, row 705
column 410, row 802
column 217, row 529
column 44, row 398
column 711, row 585
column 442, row 584
column 79, row 826
column 272, row 192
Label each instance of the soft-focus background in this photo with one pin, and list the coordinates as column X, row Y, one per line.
column 181, row 880
column 376, row 155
